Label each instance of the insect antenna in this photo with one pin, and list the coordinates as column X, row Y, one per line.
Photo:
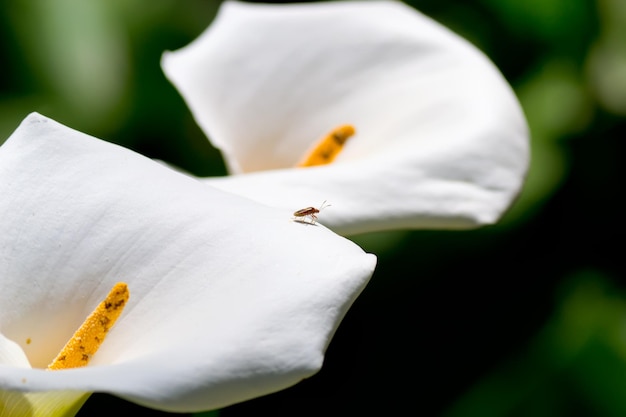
column 324, row 205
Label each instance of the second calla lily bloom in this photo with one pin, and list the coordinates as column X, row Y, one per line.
column 440, row 139
column 229, row 299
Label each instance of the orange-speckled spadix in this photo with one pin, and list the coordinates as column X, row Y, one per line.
column 327, row 149
column 85, row 343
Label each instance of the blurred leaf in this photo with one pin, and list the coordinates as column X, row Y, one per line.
column 556, row 103
column 565, row 25
column 607, row 74
column 555, row 100
column 79, row 53
column 606, row 62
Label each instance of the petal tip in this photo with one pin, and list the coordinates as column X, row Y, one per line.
column 35, row 117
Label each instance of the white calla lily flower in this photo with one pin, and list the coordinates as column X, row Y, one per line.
column 441, row 141
column 229, row 299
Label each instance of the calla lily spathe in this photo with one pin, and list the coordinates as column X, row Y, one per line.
column 441, row 141
column 229, row 299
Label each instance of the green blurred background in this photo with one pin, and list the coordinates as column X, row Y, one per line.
column 526, row 318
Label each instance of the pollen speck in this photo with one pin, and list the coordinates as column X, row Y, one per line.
column 28, row 341
column 326, row 150
column 90, row 335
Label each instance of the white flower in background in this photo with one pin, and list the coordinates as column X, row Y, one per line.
column 440, row 142
column 229, row 300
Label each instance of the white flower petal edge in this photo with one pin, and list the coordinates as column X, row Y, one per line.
column 441, row 140
column 12, row 354
column 229, row 299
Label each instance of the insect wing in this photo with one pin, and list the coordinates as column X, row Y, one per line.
column 306, row 211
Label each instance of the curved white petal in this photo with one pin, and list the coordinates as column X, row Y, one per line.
column 229, row 299
column 12, row 354
column 441, row 140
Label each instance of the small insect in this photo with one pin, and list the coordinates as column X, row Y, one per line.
column 309, row 212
